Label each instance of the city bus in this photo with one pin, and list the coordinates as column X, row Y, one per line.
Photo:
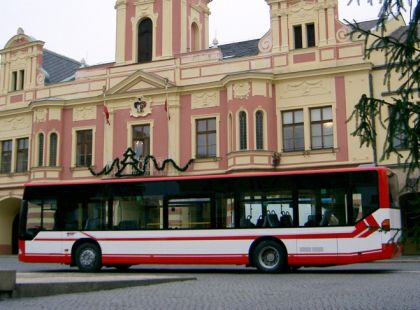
column 274, row 221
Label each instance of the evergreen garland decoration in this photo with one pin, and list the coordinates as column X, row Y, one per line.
column 131, row 160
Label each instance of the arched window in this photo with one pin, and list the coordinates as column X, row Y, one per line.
column 53, row 150
column 145, row 41
column 195, row 37
column 242, row 131
column 259, row 130
column 40, row 150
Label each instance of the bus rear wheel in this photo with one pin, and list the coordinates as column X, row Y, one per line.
column 270, row 257
column 88, row 257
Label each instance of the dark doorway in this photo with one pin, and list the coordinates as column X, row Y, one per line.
column 15, row 231
column 410, row 216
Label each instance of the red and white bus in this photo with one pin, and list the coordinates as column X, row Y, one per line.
column 272, row 221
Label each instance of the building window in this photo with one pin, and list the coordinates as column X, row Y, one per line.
column 293, row 131
column 322, row 128
column 22, row 155
column 206, row 138
column 306, row 37
column 53, row 150
column 195, row 37
column 6, row 156
column 18, row 80
column 14, row 81
column 141, row 140
column 259, row 130
column 230, row 133
column 310, row 35
column 40, row 150
column 400, row 139
column 242, row 131
column 84, row 148
column 297, row 34
column 145, row 41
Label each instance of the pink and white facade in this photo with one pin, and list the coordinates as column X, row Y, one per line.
column 284, row 105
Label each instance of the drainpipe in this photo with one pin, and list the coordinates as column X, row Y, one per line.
column 372, row 116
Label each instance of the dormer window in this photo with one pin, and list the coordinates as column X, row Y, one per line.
column 304, row 35
column 145, row 41
column 297, row 33
column 310, row 35
column 18, row 80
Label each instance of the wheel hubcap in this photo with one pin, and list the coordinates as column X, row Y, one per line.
column 87, row 258
column 269, row 257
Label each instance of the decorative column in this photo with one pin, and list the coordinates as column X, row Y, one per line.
column 121, row 7
column 167, row 29
column 331, row 23
column 322, row 26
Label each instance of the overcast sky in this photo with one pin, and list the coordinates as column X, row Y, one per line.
column 86, row 28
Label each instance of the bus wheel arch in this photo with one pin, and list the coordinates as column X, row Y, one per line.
column 268, row 254
column 87, row 255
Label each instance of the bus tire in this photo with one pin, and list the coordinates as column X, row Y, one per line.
column 270, row 257
column 88, row 257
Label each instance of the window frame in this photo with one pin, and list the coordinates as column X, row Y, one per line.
column 9, row 154
column 145, row 141
column 297, row 37
column 322, row 122
column 207, row 132
column 22, row 155
column 242, row 130
column 76, row 162
column 143, row 54
column 41, row 149
column 310, row 35
column 293, row 125
column 259, row 130
column 53, row 150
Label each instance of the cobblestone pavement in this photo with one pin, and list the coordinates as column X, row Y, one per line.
column 387, row 285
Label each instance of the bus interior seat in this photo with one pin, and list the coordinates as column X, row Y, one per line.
column 92, row 224
column 246, row 222
column 311, row 221
column 273, row 220
column 286, row 219
column 71, row 225
column 127, row 225
column 325, row 218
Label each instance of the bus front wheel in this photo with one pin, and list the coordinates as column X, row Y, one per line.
column 88, row 257
column 269, row 256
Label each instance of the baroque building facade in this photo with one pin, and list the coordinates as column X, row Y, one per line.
column 281, row 102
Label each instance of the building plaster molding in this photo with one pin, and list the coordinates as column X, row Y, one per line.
column 205, row 99
column 13, row 124
column 143, row 110
column 305, row 89
column 84, row 113
column 265, row 45
column 302, row 12
column 241, row 90
column 342, row 35
column 40, row 115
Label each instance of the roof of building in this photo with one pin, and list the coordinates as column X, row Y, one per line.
column 240, row 49
column 368, row 24
column 58, row 68
column 401, row 33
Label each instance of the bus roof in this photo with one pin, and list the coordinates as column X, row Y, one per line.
column 202, row 177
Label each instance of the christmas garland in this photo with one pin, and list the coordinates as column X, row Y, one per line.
column 131, row 160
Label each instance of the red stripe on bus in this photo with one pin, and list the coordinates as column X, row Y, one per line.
column 318, row 259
